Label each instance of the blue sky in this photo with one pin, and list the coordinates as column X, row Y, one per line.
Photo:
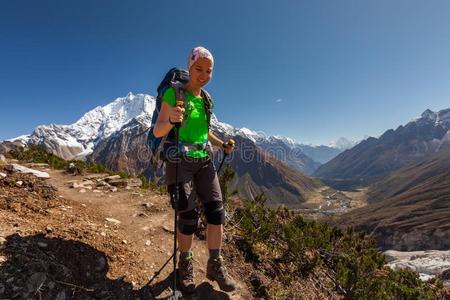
column 311, row 70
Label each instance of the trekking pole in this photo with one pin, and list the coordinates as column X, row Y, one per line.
column 176, row 295
column 231, row 142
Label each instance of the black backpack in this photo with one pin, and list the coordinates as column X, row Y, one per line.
column 177, row 79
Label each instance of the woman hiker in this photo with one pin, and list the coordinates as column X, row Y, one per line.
column 196, row 173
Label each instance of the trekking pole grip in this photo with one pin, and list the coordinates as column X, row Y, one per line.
column 178, row 104
column 230, row 142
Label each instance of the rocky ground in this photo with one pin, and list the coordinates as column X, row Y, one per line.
column 93, row 237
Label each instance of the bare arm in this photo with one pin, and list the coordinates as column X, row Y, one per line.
column 163, row 126
column 214, row 140
column 219, row 143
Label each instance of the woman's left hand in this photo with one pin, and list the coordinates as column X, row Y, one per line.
column 228, row 147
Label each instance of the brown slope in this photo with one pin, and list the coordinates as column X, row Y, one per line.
column 410, row 209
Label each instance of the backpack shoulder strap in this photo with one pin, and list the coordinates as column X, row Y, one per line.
column 208, row 102
column 180, row 91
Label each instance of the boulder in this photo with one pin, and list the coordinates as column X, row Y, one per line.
column 21, row 169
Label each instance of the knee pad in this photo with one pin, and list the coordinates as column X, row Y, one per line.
column 188, row 222
column 215, row 213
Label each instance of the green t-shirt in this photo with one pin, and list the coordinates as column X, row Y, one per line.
column 195, row 130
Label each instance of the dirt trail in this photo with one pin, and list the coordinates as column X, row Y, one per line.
column 126, row 253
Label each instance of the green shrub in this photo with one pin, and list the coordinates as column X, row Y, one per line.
column 38, row 154
column 300, row 248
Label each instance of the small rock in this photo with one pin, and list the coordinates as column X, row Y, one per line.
column 2, row 240
column 82, row 191
column 51, row 285
column 84, row 205
column 102, row 183
column 42, row 245
column 148, row 243
column 2, row 159
column 147, row 205
column 113, row 177
column 75, row 185
column 102, row 233
column 87, row 182
column 113, row 220
column 96, row 191
column 2, row 175
column 113, row 189
column 165, row 228
column 124, row 242
column 61, row 296
column 19, row 183
column 49, row 228
column 96, row 176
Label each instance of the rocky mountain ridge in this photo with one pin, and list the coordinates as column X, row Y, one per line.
column 374, row 158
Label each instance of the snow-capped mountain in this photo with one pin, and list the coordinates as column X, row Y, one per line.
column 80, row 138
column 343, row 144
column 441, row 117
column 303, row 157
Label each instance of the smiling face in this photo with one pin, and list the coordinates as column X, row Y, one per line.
column 201, row 72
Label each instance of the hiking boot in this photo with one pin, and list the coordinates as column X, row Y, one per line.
column 216, row 271
column 186, row 274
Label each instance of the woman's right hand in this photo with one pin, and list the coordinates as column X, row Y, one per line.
column 176, row 114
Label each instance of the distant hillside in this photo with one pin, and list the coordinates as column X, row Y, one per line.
column 410, row 209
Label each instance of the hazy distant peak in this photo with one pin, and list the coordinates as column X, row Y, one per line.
column 343, row 143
